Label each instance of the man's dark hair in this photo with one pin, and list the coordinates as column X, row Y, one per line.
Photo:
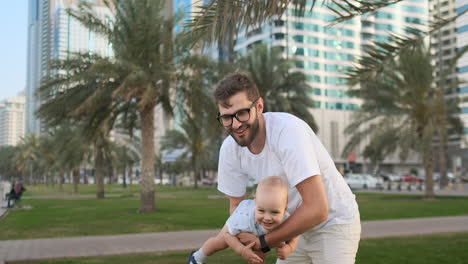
column 232, row 84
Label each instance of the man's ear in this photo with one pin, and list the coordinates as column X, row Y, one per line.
column 260, row 105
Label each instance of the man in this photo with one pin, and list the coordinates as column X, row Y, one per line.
column 322, row 207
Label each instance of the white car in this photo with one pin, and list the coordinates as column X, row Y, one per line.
column 362, row 181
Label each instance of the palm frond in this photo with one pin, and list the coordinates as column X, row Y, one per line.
column 346, row 10
column 86, row 15
column 284, row 90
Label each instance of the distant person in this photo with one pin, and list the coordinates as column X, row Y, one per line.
column 15, row 193
column 323, row 209
column 258, row 217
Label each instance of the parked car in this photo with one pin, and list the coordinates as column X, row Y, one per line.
column 363, row 181
column 165, row 181
column 436, row 176
column 411, row 178
column 208, row 181
column 394, row 177
column 464, row 178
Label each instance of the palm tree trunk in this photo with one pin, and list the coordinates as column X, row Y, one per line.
column 51, row 179
column 76, row 179
column 85, row 176
column 147, row 200
column 441, row 129
column 195, row 172
column 100, row 171
column 110, row 171
column 61, row 180
column 428, row 160
column 46, row 178
column 130, row 173
column 124, row 179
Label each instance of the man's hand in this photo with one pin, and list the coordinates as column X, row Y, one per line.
column 284, row 251
column 247, row 238
column 249, row 255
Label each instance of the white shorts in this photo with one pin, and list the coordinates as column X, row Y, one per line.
column 335, row 244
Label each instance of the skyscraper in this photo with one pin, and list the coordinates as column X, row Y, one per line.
column 446, row 43
column 12, row 113
column 461, row 28
column 325, row 52
column 53, row 34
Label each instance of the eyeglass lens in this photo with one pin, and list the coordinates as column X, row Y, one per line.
column 241, row 116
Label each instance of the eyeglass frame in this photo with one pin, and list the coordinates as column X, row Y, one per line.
column 235, row 114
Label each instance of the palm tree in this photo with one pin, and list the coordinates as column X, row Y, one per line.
column 80, row 91
column 399, row 100
column 195, row 139
column 7, row 168
column 48, row 161
column 380, row 146
column 446, row 115
column 216, row 20
column 70, row 149
column 142, row 40
column 28, row 155
column 123, row 156
column 198, row 128
column 284, row 90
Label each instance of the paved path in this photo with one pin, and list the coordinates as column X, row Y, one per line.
column 35, row 249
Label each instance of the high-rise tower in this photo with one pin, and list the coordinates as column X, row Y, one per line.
column 324, row 53
column 53, row 34
column 12, row 120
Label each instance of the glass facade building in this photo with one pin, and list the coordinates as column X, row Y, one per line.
column 53, row 34
column 461, row 29
column 324, row 53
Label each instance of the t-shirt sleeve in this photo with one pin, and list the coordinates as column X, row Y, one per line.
column 231, row 180
column 298, row 151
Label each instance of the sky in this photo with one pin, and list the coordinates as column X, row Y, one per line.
column 13, row 32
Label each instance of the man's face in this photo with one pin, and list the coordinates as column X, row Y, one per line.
column 242, row 132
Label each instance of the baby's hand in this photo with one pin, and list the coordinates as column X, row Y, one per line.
column 249, row 255
column 284, row 251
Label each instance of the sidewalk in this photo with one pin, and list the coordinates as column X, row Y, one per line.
column 35, row 249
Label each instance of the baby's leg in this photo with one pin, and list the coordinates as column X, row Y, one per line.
column 215, row 244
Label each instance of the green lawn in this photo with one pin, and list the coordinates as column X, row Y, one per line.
column 86, row 189
column 436, row 249
column 178, row 209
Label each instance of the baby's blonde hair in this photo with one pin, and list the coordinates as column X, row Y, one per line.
column 273, row 182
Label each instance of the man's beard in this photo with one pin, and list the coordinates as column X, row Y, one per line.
column 244, row 142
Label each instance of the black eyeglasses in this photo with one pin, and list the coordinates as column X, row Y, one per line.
column 243, row 115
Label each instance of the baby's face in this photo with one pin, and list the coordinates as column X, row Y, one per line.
column 270, row 210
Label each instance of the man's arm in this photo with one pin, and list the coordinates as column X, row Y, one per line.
column 234, row 202
column 312, row 211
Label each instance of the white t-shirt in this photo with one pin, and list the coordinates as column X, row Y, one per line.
column 243, row 220
column 293, row 152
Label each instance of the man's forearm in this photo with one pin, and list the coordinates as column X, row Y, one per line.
column 302, row 220
column 312, row 211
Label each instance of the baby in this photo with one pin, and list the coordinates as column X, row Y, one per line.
column 258, row 217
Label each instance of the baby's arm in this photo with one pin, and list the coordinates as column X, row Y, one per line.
column 287, row 248
column 244, row 251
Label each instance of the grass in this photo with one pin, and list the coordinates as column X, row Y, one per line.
column 178, row 209
column 376, row 206
column 434, row 249
column 86, row 189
